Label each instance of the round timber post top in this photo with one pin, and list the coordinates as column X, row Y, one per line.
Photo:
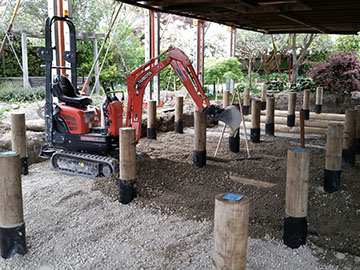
column 8, row 154
column 232, row 198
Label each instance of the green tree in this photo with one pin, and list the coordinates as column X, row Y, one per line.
column 349, row 43
column 126, row 51
column 29, row 18
column 222, row 69
column 92, row 15
column 252, row 46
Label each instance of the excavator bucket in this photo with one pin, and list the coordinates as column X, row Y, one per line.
column 230, row 116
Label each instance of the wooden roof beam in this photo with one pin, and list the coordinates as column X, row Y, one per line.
column 297, row 20
column 262, row 10
column 248, row 4
column 250, row 24
column 201, row 4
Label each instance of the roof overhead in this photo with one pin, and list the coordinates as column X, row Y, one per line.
column 268, row 16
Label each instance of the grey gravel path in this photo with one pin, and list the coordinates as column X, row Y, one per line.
column 71, row 227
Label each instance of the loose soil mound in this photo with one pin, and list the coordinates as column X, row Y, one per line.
column 168, row 181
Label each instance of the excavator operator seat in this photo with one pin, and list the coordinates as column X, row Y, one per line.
column 65, row 92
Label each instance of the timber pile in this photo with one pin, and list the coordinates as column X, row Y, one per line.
column 317, row 124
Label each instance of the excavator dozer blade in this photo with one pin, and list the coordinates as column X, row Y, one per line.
column 230, row 116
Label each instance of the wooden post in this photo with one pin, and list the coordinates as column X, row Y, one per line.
column 291, row 109
column 349, row 144
column 270, row 119
column 357, row 108
column 334, row 143
column 319, row 100
column 255, row 121
column 246, row 106
column 234, row 138
column 263, row 96
column 230, row 232
column 12, row 225
column 302, row 128
column 306, row 104
column 314, row 116
column 199, row 153
column 178, row 125
column 151, row 123
column 297, row 184
column 226, row 98
column 18, row 139
column 127, row 165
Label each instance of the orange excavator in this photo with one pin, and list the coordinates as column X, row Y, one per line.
column 75, row 140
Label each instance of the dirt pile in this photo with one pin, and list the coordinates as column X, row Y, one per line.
column 170, row 183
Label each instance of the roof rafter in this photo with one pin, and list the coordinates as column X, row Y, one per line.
column 315, row 16
column 297, row 20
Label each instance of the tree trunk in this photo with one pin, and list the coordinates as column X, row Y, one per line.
column 294, row 72
column 267, row 61
column 297, row 62
column 250, row 71
column 215, row 93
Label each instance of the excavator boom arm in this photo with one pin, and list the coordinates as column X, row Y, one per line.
column 139, row 78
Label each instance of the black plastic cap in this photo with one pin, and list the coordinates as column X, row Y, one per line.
column 24, row 165
column 234, row 143
column 263, row 105
column 199, row 158
column 127, row 191
column 306, row 114
column 151, row 133
column 179, row 127
column 291, row 120
column 246, row 110
column 318, row 108
column 348, row 158
column 295, row 231
column 331, row 180
column 255, row 135
column 12, row 241
column 270, row 129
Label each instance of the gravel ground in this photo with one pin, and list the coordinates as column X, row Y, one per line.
column 69, row 226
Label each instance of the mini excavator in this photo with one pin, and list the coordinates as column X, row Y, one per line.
column 75, row 140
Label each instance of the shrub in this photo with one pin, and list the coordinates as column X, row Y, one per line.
column 4, row 109
column 20, row 94
column 340, row 72
column 276, row 76
column 275, row 85
column 12, row 67
column 253, row 77
column 302, row 84
column 241, row 87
